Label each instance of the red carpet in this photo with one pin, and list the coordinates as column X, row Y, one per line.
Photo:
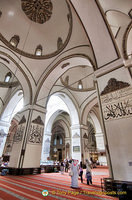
column 58, row 186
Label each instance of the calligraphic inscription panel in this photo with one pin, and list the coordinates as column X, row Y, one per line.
column 117, row 104
column 76, row 148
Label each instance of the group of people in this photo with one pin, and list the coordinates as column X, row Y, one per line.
column 64, row 166
column 77, row 169
column 3, row 165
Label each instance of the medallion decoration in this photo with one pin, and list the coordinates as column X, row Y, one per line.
column 36, row 131
column 38, row 11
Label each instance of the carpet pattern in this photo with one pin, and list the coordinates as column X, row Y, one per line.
column 30, row 187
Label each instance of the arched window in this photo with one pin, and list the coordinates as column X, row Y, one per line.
column 61, row 141
column 15, row 40
column 55, row 141
column 38, row 51
column 80, row 85
column 8, row 77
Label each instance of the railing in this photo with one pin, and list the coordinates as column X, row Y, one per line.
column 121, row 189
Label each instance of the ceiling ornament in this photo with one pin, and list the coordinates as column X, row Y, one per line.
column 43, row 56
column 38, row 11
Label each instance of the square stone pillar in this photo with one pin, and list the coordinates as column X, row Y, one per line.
column 27, row 146
column 115, row 95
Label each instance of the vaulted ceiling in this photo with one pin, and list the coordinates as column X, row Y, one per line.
column 56, row 26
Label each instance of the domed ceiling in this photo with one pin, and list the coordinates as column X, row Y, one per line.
column 79, row 78
column 36, row 23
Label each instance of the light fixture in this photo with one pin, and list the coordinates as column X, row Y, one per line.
column 80, row 85
column 15, row 40
column 8, row 77
column 38, row 51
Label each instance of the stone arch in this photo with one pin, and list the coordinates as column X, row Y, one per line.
column 91, row 114
column 7, row 115
column 20, row 71
column 56, row 71
column 51, row 117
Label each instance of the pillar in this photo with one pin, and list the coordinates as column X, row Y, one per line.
column 27, row 146
column 4, row 127
column 115, row 94
column 76, row 147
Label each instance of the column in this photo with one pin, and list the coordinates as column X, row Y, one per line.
column 76, row 142
column 115, row 95
column 46, row 146
column 27, row 146
column 4, row 127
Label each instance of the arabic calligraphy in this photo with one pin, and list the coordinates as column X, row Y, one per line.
column 117, row 110
column 117, row 104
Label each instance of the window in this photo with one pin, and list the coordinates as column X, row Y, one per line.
column 55, row 141
column 61, row 141
column 8, row 77
column 15, row 40
column 38, row 51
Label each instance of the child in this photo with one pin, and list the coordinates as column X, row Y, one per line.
column 88, row 177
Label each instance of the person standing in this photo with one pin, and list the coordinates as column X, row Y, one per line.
column 88, row 172
column 66, row 166
column 81, row 171
column 74, row 177
column 62, row 167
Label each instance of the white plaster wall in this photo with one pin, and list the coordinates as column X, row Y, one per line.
column 15, row 154
column 32, row 156
column 119, row 133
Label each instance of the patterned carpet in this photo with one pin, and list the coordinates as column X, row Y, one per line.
column 57, row 185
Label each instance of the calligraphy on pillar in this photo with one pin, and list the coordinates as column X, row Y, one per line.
column 36, row 131
column 20, row 130
column 117, row 104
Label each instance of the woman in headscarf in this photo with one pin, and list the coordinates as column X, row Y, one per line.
column 74, row 177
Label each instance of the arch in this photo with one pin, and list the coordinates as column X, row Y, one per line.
column 52, row 116
column 20, row 71
column 7, row 115
column 88, row 106
column 127, row 51
column 56, row 72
